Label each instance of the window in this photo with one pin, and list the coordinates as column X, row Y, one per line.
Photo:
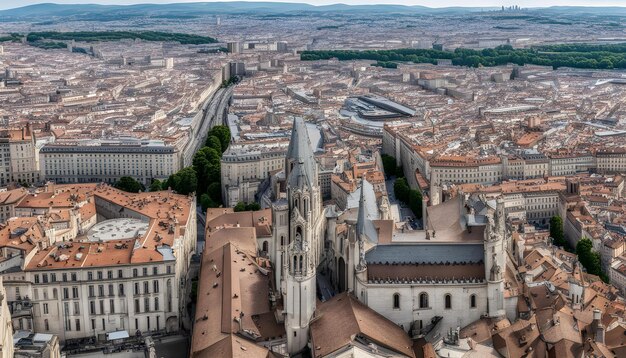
column 53, row 277
column 155, row 270
column 121, row 289
column 109, row 274
column 169, row 269
column 91, row 291
column 145, row 271
column 156, row 303
column 473, row 301
column 90, row 276
column 92, row 307
column 111, row 306
column 45, row 277
column 78, row 324
column 396, row 301
column 76, row 308
column 146, row 303
column 74, row 292
column 99, row 275
column 155, row 286
column 66, row 293
column 423, row 300
column 45, row 308
column 137, row 305
column 120, row 274
column 101, row 306
column 135, row 272
column 36, row 278
column 136, row 288
column 73, row 277
column 100, row 290
column 448, row 301
column 46, row 325
column 146, row 287
column 111, row 290
column 93, row 324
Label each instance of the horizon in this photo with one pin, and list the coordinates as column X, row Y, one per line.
column 14, row 4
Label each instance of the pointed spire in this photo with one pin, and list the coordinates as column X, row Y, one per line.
column 300, row 165
column 364, row 224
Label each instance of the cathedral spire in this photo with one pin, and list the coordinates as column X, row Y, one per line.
column 364, row 224
column 300, row 165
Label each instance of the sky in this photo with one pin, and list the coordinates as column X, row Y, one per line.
column 7, row 4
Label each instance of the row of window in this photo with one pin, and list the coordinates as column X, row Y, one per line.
column 423, row 301
column 45, row 278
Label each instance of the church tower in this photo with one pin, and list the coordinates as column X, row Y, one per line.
column 301, row 253
column 495, row 260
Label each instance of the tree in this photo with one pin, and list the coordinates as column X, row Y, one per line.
column 215, row 143
column 223, row 134
column 389, row 164
column 556, row 230
column 156, row 185
column 253, row 206
column 215, row 192
column 206, row 202
column 415, row 203
column 587, row 257
column 241, row 206
column 184, row 181
column 401, row 190
column 129, row 184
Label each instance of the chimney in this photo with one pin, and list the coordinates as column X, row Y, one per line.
column 597, row 326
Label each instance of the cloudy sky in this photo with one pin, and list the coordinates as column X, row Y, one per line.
column 7, row 4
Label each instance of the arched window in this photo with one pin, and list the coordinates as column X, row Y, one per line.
column 300, row 267
column 282, row 241
column 448, row 301
column 473, row 301
column 423, row 300
column 396, row 301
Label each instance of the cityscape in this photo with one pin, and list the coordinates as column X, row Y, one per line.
column 275, row 179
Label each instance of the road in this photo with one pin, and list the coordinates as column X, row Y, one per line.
column 213, row 109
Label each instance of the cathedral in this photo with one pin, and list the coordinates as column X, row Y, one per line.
column 418, row 283
column 445, row 276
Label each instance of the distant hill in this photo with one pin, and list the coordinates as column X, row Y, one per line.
column 91, row 11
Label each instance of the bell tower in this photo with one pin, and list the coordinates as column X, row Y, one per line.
column 303, row 202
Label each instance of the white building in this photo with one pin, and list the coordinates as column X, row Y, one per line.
column 95, row 259
column 18, row 157
column 108, row 162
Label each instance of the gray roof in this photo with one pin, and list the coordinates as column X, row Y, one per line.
column 426, row 253
column 299, row 152
column 367, row 213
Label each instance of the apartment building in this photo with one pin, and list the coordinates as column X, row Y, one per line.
column 246, row 166
column 611, row 160
column 109, row 161
column 128, row 269
column 6, row 329
column 18, row 157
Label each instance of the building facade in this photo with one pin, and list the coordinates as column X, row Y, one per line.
column 107, row 163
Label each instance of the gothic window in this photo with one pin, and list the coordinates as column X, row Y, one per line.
column 282, row 241
column 473, row 301
column 396, row 301
column 423, row 300
column 448, row 301
column 300, row 263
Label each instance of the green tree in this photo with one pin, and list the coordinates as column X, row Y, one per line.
column 556, row 230
column 241, row 206
column 206, row 202
column 184, row 181
column 156, row 185
column 129, row 184
column 588, row 258
column 401, row 190
column 215, row 143
column 223, row 134
column 389, row 164
column 415, row 203
column 253, row 206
